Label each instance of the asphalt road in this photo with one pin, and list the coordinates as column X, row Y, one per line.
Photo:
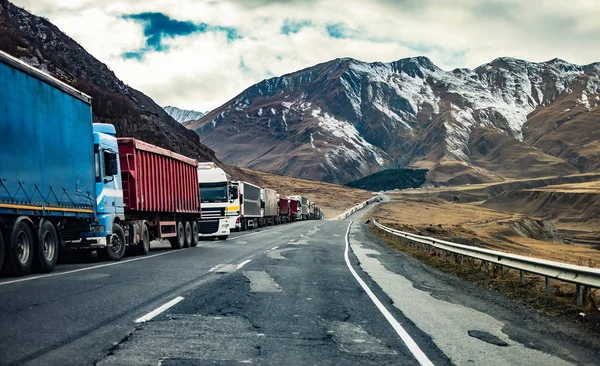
column 279, row 295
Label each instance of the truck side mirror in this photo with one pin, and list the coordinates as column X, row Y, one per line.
column 111, row 165
column 241, row 198
column 262, row 204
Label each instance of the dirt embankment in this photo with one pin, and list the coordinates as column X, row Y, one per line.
column 561, row 207
column 482, row 192
column 498, row 189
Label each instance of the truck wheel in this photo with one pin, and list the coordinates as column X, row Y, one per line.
column 143, row 246
column 46, row 252
column 194, row 234
column 222, row 237
column 115, row 248
column 188, row 235
column 19, row 254
column 177, row 242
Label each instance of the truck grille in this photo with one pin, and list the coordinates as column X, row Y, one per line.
column 209, row 212
column 208, row 226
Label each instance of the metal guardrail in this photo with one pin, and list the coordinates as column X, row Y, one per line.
column 356, row 208
column 579, row 275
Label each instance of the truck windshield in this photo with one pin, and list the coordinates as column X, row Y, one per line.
column 213, row 192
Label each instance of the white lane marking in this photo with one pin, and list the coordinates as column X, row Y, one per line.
column 406, row 338
column 87, row 268
column 243, row 263
column 226, row 268
column 159, row 310
column 112, row 264
column 215, row 268
column 275, row 247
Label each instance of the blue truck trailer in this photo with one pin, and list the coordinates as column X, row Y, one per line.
column 59, row 173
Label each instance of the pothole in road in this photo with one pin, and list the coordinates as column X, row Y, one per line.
column 260, row 281
column 353, row 338
column 188, row 339
column 487, row 337
column 277, row 254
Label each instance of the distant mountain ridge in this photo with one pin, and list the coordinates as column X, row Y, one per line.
column 183, row 115
column 344, row 119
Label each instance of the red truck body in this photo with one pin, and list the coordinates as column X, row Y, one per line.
column 161, row 194
column 284, row 210
column 157, row 180
column 293, row 210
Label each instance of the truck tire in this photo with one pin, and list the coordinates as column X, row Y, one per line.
column 194, row 234
column 115, row 248
column 177, row 242
column 143, row 246
column 188, row 235
column 19, row 253
column 46, row 252
column 223, row 237
column 1, row 248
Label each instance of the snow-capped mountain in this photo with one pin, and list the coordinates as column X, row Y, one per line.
column 183, row 115
column 344, row 119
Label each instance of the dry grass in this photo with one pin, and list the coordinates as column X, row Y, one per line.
column 332, row 198
column 475, row 225
column 587, row 187
column 475, row 187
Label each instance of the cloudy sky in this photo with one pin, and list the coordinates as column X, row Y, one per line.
column 197, row 54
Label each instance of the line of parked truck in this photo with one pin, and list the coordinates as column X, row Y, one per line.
column 67, row 184
column 237, row 205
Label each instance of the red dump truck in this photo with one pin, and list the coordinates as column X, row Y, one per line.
column 284, row 210
column 160, row 194
column 294, row 209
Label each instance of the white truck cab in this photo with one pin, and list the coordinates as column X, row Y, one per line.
column 215, row 196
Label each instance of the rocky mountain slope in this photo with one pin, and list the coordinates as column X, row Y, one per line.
column 345, row 119
column 41, row 44
column 183, row 115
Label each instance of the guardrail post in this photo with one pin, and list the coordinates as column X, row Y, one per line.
column 462, row 258
column 547, row 286
column 580, row 289
column 502, row 270
column 522, row 275
column 443, row 255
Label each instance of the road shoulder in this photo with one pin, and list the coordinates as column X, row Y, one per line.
column 460, row 315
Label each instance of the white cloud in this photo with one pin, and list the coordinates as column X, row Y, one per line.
column 202, row 71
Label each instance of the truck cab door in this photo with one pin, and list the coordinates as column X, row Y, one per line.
column 108, row 181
